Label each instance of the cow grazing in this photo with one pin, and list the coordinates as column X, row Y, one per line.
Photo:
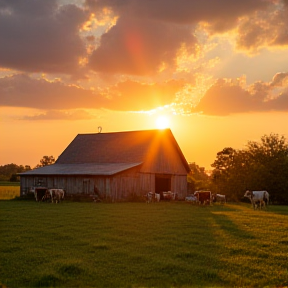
column 204, row 197
column 258, row 198
column 56, row 195
column 219, row 198
column 46, row 196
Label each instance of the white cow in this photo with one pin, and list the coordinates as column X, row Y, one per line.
column 152, row 197
column 169, row 195
column 219, row 198
column 191, row 198
column 260, row 198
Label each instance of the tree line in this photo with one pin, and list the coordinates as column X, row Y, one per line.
column 9, row 172
column 259, row 166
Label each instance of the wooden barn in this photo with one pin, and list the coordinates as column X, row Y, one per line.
column 116, row 166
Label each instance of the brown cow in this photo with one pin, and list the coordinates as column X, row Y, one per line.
column 204, row 197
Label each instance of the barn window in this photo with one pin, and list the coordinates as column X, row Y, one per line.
column 162, row 183
column 39, row 181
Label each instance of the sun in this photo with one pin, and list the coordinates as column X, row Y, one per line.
column 162, row 122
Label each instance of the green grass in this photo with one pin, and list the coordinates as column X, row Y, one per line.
column 142, row 245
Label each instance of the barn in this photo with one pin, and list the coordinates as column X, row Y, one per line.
column 117, row 166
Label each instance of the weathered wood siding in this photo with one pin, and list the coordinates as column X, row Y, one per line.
column 164, row 160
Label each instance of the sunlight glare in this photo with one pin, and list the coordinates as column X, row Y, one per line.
column 162, row 122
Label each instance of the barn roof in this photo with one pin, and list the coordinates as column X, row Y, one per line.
column 122, row 149
column 82, row 169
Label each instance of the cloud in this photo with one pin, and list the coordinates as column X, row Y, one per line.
column 225, row 97
column 181, row 11
column 280, row 79
column 40, row 36
column 267, row 28
column 140, row 47
column 60, row 115
column 23, row 91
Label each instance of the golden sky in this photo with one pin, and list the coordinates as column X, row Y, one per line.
column 216, row 69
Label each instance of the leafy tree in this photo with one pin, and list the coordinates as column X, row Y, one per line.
column 197, row 178
column 261, row 166
column 269, row 166
column 7, row 171
column 46, row 160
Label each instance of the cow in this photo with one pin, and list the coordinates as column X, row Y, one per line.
column 56, row 195
column 157, row 197
column 260, row 198
column 38, row 192
column 169, row 195
column 204, row 197
column 219, row 198
column 46, row 196
column 152, row 197
column 191, row 198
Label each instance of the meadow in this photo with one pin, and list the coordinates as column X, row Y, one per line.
column 142, row 245
column 9, row 190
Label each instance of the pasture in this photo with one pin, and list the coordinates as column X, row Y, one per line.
column 9, row 191
column 142, row 245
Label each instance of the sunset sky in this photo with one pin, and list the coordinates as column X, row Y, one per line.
column 216, row 69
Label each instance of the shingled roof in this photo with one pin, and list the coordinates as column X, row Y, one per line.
column 122, row 149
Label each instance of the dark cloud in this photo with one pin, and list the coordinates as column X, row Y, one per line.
column 181, row 11
column 140, row 47
column 264, row 29
column 39, row 36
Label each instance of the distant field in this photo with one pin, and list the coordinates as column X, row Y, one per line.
column 9, row 192
column 142, row 245
column 8, row 183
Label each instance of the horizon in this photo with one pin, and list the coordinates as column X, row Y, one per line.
column 214, row 72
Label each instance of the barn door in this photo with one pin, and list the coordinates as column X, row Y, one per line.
column 162, row 183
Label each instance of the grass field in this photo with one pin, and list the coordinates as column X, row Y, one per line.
column 142, row 245
column 9, row 192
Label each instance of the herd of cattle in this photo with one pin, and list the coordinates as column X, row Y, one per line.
column 259, row 199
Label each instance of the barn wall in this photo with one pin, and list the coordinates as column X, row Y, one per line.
column 164, row 159
column 122, row 186
column 179, row 185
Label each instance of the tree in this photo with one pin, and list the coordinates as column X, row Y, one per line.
column 9, row 172
column 261, row 166
column 46, row 160
column 269, row 166
column 197, row 178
